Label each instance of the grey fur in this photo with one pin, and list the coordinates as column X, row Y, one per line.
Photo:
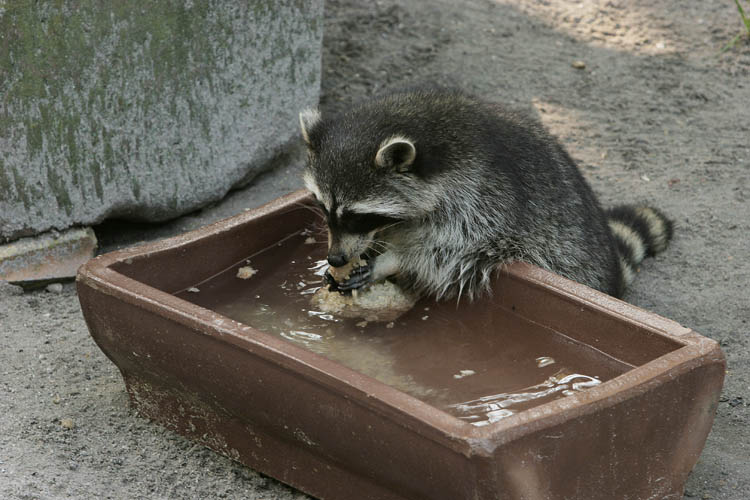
column 487, row 186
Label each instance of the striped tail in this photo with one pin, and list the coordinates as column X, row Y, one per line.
column 639, row 232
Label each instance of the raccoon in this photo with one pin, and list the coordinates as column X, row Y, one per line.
column 437, row 189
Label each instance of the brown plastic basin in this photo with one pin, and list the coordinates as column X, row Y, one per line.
column 390, row 429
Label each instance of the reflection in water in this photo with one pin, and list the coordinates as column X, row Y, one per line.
column 303, row 337
column 543, row 361
column 496, row 406
column 476, row 361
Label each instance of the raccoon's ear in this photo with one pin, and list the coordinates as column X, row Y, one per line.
column 397, row 153
column 308, row 119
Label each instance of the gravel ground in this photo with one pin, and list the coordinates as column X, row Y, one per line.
column 655, row 115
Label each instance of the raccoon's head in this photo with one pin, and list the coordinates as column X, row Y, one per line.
column 363, row 179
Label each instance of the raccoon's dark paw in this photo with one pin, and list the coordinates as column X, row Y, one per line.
column 358, row 277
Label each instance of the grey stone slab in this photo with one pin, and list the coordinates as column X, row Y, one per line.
column 145, row 110
column 46, row 257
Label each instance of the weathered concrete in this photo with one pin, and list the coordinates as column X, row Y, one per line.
column 47, row 257
column 145, row 109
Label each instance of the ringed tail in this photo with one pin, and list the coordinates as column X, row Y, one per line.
column 639, row 232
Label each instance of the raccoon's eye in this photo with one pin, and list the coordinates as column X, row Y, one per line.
column 364, row 223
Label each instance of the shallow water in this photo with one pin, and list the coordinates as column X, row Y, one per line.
column 476, row 361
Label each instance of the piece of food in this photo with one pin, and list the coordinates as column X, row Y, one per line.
column 246, row 272
column 342, row 273
column 378, row 302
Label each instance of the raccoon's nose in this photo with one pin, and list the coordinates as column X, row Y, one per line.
column 337, row 259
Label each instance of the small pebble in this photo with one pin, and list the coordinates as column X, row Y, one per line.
column 390, row 325
column 67, row 423
column 362, row 324
column 309, row 240
column 424, row 317
column 579, row 64
column 193, row 289
column 55, row 288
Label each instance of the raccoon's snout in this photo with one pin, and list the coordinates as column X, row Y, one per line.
column 337, row 259
column 344, row 247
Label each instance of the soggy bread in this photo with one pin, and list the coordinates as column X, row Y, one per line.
column 383, row 301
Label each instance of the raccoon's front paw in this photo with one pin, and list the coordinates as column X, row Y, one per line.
column 357, row 278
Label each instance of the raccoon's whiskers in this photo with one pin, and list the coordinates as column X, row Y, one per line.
column 388, row 226
column 380, row 246
column 305, row 206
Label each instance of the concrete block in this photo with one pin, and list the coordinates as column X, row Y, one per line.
column 48, row 257
column 145, row 110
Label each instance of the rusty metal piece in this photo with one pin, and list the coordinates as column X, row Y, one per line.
column 337, row 434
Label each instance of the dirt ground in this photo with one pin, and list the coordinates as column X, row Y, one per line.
column 656, row 115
